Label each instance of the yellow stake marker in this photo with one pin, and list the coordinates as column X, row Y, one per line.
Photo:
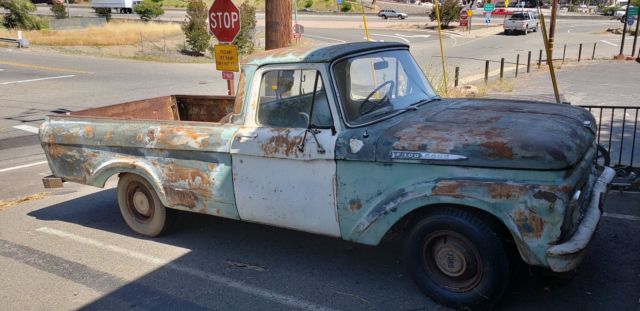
column 549, row 57
column 444, row 67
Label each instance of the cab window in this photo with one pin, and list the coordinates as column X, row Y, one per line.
column 286, row 99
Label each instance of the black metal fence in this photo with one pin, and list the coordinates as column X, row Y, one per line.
column 617, row 130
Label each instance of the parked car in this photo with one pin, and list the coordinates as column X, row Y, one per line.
column 393, row 14
column 521, row 22
column 351, row 141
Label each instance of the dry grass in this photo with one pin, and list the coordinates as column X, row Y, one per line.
column 4, row 204
column 115, row 33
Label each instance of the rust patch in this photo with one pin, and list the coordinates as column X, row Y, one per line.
column 355, row 205
column 57, row 151
column 281, row 143
column 151, row 135
column 502, row 191
column 107, row 136
column 88, row 131
column 547, row 196
column 193, row 177
column 448, row 188
column 498, row 150
column 180, row 197
column 530, row 225
column 186, row 186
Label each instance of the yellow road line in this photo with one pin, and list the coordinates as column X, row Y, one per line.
column 31, row 66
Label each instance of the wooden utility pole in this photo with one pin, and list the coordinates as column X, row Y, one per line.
column 277, row 24
column 552, row 28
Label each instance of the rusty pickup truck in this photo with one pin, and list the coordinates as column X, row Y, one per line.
column 350, row 141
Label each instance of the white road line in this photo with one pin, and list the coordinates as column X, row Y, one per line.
column 222, row 280
column 26, row 128
column 609, row 43
column 391, row 36
column 326, row 38
column 621, row 216
column 34, row 80
column 21, row 166
column 412, row 36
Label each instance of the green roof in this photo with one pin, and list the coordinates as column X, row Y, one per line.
column 317, row 54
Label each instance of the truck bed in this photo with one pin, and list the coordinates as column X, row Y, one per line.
column 174, row 107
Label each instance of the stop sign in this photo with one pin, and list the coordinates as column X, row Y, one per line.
column 224, row 20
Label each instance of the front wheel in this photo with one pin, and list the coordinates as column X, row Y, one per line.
column 457, row 260
column 141, row 208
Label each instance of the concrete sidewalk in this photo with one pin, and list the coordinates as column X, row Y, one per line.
column 594, row 83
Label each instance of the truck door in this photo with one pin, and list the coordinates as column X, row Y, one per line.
column 285, row 172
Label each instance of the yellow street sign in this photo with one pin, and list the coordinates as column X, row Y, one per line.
column 226, row 57
column 506, row 3
column 470, row 12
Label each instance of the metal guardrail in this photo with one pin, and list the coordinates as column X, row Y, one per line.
column 22, row 43
column 617, row 131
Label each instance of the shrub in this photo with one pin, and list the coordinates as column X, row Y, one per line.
column 346, row 6
column 196, row 30
column 308, row 4
column 244, row 40
column 19, row 15
column 59, row 10
column 449, row 12
column 104, row 12
column 149, row 10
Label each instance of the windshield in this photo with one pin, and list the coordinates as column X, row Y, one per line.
column 374, row 86
column 519, row 16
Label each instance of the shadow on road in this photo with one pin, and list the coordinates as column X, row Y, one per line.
column 334, row 273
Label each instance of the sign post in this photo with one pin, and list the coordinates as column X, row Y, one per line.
column 464, row 18
column 488, row 8
column 224, row 24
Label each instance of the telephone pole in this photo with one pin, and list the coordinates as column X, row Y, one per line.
column 552, row 27
column 277, row 24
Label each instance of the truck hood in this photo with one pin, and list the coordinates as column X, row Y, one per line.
column 490, row 133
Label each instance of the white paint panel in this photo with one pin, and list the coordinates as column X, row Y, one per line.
column 297, row 194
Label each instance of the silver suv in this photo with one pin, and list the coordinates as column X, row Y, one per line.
column 392, row 13
column 523, row 22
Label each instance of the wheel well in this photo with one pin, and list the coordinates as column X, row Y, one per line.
column 407, row 222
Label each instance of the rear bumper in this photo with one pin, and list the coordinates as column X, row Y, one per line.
column 52, row 181
column 566, row 256
column 514, row 28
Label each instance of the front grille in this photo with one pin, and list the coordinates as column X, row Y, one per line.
column 578, row 208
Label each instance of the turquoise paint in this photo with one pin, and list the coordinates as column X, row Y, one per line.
column 387, row 192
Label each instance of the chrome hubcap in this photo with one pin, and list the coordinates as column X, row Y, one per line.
column 141, row 203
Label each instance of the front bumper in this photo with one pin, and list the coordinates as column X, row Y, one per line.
column 566, row 256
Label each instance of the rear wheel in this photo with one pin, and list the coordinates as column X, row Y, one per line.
column 457, row 260
column 141, row 208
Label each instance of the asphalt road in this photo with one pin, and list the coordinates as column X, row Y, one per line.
column 72, row 250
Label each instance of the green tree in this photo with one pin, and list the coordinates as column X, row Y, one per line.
column 244, row 40
column 59, row 10
column 149, row 10
column 19, row 15
column 196, row 30
column 449, row 12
